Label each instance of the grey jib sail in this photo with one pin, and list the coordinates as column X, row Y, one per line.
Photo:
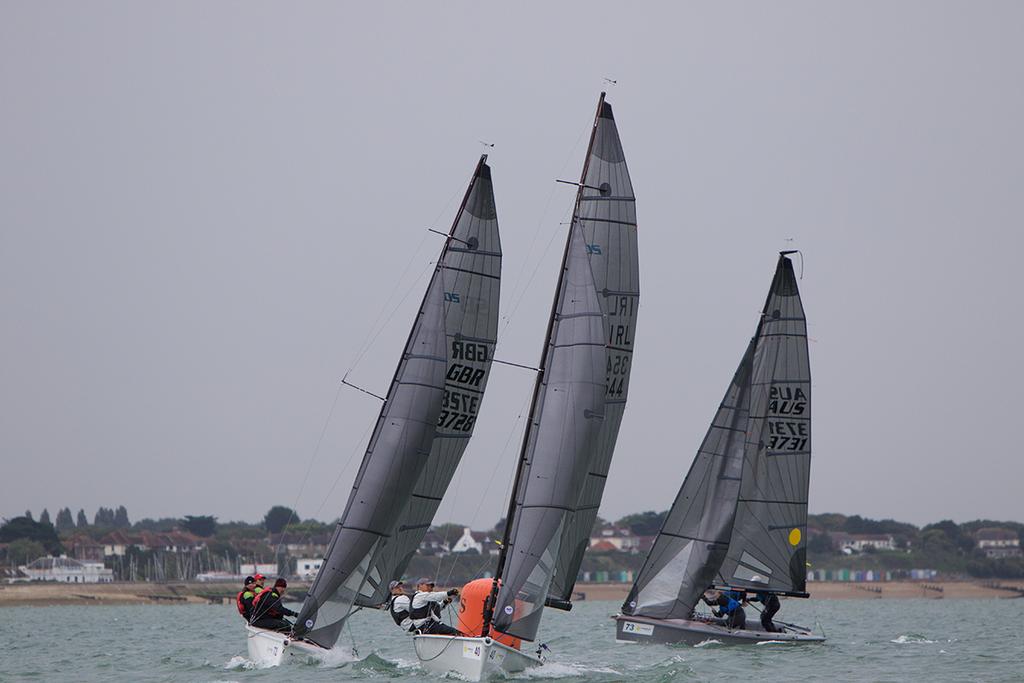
column 606, row 212
column 471, row 272
column 399, row 449
column 559, row 443
column 694, row 537
column 768, row 548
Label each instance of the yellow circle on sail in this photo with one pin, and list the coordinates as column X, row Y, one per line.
column 794, row 537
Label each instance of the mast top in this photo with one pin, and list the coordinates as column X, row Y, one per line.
column 482, row 169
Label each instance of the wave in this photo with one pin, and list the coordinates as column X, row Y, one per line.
column 912, row 638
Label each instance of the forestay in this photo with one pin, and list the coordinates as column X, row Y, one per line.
column 768, row 548
column 471, row 272
column 694, row 537
column 561, row 436
column 606, row 213
column 359, row 559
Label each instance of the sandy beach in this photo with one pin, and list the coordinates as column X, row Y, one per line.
column 44, row 594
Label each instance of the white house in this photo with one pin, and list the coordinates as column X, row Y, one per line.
column 307, row 568
column 996, row 542
column 66, row 570
column 861, row 542
column 620, row 537
column 474, row 540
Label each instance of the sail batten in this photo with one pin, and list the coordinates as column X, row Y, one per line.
column 436, row 392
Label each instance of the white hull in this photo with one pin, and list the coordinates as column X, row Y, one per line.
column 272, row 648
column 475, row 659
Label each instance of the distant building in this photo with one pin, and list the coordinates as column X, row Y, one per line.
column 251, row 569
column 861, row 542
column 81, row 546
column 997, row 542
column 474, row 540
column 307, row 568
column 621, row 538
column 299, row 544
column 64, row 569
column 117, row 543
column 433, row 544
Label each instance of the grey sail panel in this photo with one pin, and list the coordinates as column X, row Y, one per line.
column 694, row 537
column 606, row 212
column 471, row 271
column 398, row 448
column 561, row 437
column 768, row 548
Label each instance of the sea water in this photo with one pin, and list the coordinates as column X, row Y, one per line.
column 868, row 640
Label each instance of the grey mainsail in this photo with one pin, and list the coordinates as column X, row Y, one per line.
column 471, row 272
column 558, row 445
column 694, row 537
column 583, row 379
column 768, row 548
column 360, row 559
column 606, row 212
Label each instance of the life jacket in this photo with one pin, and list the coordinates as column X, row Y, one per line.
column 244, row 606
column 398, row 615
column 272, row 613
column 429, row 609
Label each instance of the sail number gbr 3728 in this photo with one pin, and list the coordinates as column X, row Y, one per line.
column 462, row 386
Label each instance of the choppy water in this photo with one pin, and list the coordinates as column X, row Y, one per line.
column 869, row 640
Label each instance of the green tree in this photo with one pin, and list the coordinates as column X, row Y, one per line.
column 27, row 529
column 450, row 532
column 44, row 517
column 644, row 523
column 23, row 551
column 278, row 517
column 121, row 518
column 203, row 525
column 83, row 521
column 64, row 520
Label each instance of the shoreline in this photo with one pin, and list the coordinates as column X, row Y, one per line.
column 178, row 593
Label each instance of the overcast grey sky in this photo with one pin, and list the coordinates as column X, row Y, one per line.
column 204, row 208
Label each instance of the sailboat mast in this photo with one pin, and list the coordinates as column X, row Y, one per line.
column 538, row 383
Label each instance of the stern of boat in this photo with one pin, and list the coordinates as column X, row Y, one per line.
column 474, row 659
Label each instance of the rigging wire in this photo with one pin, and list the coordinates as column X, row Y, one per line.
column 309, row 469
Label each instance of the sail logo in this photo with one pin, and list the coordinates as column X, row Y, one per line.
column 594, row 249
column 451, row 297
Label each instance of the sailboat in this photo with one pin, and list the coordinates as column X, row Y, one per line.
column 577, row 406
column 423, row 428
column 739, row 521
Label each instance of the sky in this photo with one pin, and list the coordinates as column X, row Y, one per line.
column 211, row 212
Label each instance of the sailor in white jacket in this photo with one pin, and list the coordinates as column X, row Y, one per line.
column 426, row 609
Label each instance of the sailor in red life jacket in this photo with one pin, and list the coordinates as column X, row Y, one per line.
column 267, row 610
column 259, row 579
column 245, row 597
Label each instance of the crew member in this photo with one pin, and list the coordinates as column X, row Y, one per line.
column 259, row 579
column 399, row 606
column 245, row 597
column 771, row 606
column 729, row 606
column 267, row 610
column 426, row 609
